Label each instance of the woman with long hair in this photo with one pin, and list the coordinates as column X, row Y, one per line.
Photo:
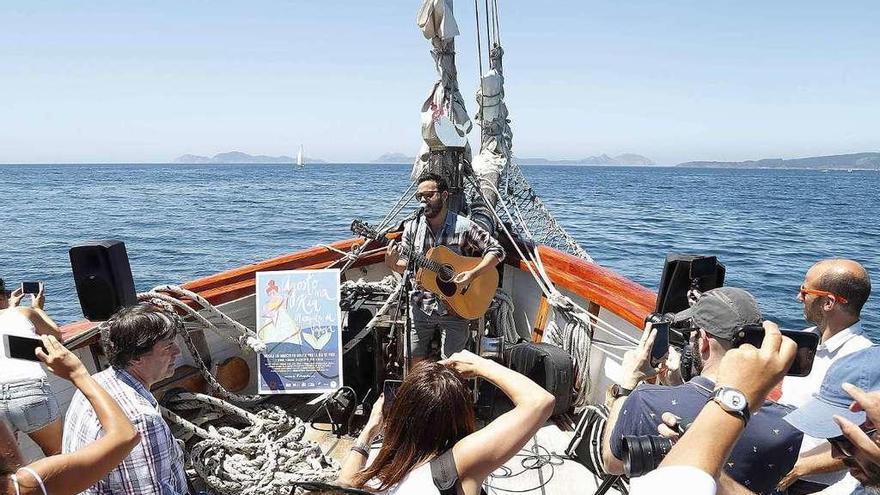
column 68, row 474
column 432, row 416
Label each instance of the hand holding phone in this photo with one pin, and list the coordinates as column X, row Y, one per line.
column 661, row 343
column 17, row 347
column 390, row 393
column 807, row 342
column 32, row 288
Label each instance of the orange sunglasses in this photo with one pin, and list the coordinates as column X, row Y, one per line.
column 821, row 293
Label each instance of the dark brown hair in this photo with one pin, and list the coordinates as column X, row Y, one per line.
column 433, row 410
column 442, row 186
column 133, row 331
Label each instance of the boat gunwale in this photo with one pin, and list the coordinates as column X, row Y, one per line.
column 595, row 283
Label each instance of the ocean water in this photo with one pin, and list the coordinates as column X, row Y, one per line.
column 180, row 222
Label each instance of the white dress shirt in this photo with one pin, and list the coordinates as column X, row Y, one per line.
column 797, row 390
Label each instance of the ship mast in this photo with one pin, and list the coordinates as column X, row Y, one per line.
column 445, row 121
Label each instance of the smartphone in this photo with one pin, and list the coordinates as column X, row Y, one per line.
column 16, row 347
column 389, row 389
column 806, row 346
column 30, row 288
column 661, row 342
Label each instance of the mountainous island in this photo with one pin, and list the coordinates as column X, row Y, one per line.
column 603, row 159
column 395, row 158
column 239, row 157
column 854, row 161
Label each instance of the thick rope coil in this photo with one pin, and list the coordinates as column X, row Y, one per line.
column 247, row 338
column 262, row 458
column 502, row 315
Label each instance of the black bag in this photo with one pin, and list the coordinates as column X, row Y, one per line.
column 545, row 364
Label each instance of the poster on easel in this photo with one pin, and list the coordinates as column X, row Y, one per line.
column 299, row 319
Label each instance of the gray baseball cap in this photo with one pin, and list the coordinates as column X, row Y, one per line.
column 815, row 417
column 723, row 311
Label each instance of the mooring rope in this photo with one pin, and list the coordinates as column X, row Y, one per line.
column 263, row 458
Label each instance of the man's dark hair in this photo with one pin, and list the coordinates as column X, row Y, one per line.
column 132, row 332
column 442, row 186
column 853, row 286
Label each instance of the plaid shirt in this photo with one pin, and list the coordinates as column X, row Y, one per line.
column 459, row 234
column 155, row 465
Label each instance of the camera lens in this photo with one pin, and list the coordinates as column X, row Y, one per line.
column 642, row 454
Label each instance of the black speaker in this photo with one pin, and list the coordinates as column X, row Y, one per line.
column 103, row 278
column 682, row 272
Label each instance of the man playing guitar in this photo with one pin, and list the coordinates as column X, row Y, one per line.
column 440, row 227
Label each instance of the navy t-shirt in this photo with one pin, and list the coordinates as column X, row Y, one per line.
column 765, row 452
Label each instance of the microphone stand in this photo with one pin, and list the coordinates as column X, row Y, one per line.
column 408, row 276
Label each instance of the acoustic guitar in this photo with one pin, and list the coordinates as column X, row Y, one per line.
column 438, row 267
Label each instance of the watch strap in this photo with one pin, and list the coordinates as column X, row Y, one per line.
column 618, row 391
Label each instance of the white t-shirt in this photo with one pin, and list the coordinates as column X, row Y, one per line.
column 797, row 390
column 418, row 482
column 13, row 322
column 673, row 479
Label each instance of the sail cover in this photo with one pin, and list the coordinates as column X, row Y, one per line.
column 496, row 137
column 445, row 122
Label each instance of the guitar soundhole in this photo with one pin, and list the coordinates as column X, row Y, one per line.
column 445, row 283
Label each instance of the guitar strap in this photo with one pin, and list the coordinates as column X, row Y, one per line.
column 421, row 232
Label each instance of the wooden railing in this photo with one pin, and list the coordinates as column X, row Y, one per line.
column 601, row 286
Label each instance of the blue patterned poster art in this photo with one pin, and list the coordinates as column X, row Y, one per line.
column 299, row 319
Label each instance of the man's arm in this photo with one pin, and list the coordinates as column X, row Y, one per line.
column 636, row 366
column 817, row 462
column 612, row 464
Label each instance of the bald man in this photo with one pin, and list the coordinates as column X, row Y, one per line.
column 833, row 294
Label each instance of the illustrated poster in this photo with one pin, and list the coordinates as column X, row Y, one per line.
column 299, row 319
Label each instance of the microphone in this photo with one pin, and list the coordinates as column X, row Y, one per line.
column 418, row 211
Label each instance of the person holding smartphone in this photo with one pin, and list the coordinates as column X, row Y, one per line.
column 26, row 400
column 637, row 408
column 72, row 473
column 432, row 420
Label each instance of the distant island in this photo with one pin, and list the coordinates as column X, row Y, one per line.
column 239, row 157
column 395, row 158
column 603, row 159
column 855, row 161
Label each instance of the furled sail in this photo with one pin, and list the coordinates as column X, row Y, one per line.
column 496, row 137
column 445, row 121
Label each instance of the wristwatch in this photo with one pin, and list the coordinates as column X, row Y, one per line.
column 617, row 391
column 733, row 401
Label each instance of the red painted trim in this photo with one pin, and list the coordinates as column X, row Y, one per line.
column 600, row 285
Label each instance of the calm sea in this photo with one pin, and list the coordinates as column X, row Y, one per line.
column 180, row 222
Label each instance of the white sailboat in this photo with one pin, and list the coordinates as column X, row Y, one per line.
column 299, row 158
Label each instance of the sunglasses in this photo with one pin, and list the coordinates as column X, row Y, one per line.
column 426, row 195
column 845, row 446
column 803, row 291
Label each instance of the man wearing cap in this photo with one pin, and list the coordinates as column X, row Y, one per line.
column 816, row 418
column 768, row 446
column 833, row 294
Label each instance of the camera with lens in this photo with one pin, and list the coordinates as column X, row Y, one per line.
column 642, row 454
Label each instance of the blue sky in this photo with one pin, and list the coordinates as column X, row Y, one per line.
column 126, row 81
